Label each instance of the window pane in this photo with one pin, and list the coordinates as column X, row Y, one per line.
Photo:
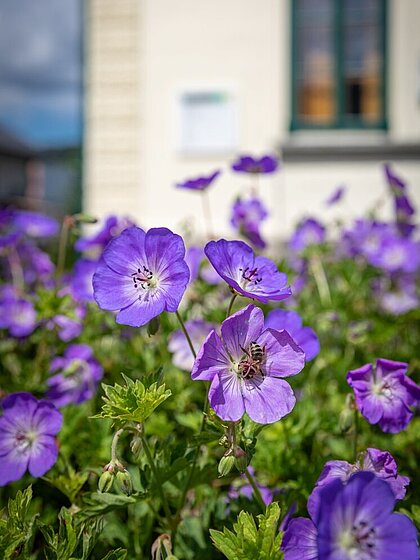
column 362, row 60
column 316, row 89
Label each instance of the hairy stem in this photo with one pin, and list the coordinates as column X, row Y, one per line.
column 355, row 433
column 232, row 301
column 256, row 490
column 187, row 336
column 114, row 444
column 156, row 473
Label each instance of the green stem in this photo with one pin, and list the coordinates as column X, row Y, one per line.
column 355, row 433
column 232, row 301
column 256, row 490
column 114, row 444
column 320, row 280
column 158, row 479
column 62, row 246
column 187, row 336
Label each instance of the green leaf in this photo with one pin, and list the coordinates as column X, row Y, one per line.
column 69, row 484
column 18, row 529
column 99, row 504
column 132, row 402
column 249, row 541
column 117, row 554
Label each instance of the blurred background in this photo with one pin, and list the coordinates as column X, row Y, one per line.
column 105, row 105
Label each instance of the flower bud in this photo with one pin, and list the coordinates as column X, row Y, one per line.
column 106, row 480
column 241, row 459
column 345, row 420
column 153, row 326
column 136, row 446
column 124, row 482
column 226, row 465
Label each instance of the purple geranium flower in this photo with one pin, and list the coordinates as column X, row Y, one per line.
column 200, row 183
column 309, row 232
column 34, row 224
column 246, row 365
column 353, row 521
column 247, row 216
column 250, row 276
column 291, row 322
column 385, row 394
column 336, row 196
column 198, row 331
column 374, row 460
column 78, row 377
column 141, row 274
column 250, row 164
column 27, row 430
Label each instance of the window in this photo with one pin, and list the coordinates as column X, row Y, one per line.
column 338, row 64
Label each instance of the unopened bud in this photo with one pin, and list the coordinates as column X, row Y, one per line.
column 153, row 326
column 136, row 446
column 241, row 459
column 346, row 420
column 106, row 480
column 124, row 482
column 226, row 464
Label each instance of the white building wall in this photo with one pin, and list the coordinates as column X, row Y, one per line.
column 243, row 45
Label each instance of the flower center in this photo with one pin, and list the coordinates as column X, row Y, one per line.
column 250, row 275
column 144, row 278
column 359, row 541
column 251, row 363
column 24, row 440
column 383, row 389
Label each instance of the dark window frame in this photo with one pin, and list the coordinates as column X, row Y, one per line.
column 342, row 122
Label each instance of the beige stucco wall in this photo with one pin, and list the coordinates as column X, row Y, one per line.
column 161, row 47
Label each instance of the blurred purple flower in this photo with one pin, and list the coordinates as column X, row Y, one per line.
column 404, row 209
column 193, row 257
column 309, row 232
column 17, row 314
column 290, row 321
column 402, row 298
column 246, row 490
column 141, row 274
column 34, row 224
column 67, row 327
column 27, row 430
column 200, row 183
column 81, row 280
column 250, row 276
column 250, row 164
column 352, row 521
column 246, row 365
column 198, row 331
column 385, row 394
column 113, row 226
column 396, row 254
column 247, row 216
column 78, row 377
column 336, row 196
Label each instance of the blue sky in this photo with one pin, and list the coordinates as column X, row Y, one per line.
column 41, row 70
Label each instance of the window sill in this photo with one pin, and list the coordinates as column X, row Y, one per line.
column 346, row 146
